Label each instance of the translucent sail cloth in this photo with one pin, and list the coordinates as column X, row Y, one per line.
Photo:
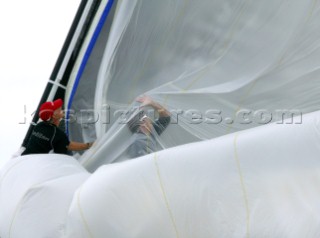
column 223, row 187
column 218, row 66
column 240, row 156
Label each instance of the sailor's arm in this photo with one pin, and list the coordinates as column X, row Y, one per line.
column 77, row 146
column 148, row 101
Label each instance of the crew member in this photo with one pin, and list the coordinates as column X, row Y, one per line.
column 46, row 135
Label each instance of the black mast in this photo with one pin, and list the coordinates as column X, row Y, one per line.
column 65, row 78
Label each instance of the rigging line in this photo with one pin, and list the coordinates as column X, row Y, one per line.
column 155, row 159
column 243, row 188
column 82, row 214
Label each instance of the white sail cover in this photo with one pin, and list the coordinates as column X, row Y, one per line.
column 240, row 157
column 36, row 192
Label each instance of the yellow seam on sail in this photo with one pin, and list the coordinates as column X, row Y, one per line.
column 82, row 215
column 165, row 196
column 243, row 188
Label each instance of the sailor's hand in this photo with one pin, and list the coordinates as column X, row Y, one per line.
column 145, row 100
column 89, row 145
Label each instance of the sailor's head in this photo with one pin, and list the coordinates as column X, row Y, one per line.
column 140, row 123
column 145, row 125
column 51, row 110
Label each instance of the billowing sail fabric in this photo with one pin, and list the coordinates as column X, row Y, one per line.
column 239, row 156
column 218, row 66
column 223, row 187
column 36, row 192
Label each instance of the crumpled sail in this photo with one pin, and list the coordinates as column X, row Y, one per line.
column 218, row 66
column 224, row 187
column 240, row 157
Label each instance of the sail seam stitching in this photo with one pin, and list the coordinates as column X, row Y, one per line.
column 243, row 188
column 82, row 215
column 165, row 196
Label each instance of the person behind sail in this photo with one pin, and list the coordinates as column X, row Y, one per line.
column 145, row 130
column 46, row 135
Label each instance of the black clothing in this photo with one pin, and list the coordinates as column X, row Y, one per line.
column 161, row 124
column 146, row 144
column 46, row 137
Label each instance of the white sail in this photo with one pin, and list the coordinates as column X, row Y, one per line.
column 220, row 67
column 240, row 155
column 224, row 187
